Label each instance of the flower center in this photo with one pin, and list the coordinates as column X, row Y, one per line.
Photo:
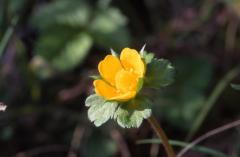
column 131, row 70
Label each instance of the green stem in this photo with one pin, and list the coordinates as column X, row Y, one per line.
column 26, row 9
column 212, row 100
column 161, row 134
column 7, row 36
column 196, row 148
column 209, row 134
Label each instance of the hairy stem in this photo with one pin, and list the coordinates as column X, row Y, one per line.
column 161, row 134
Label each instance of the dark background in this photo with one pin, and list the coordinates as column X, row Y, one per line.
column 49, row 48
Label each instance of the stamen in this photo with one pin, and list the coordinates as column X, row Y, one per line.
column 131, row 70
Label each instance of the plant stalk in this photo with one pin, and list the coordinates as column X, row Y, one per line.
column 161, row 134
column 207, row 106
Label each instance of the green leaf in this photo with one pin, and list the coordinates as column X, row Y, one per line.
column 94, row 99
column 63, row 50
column 159, row 73
column 131, row 115
column 73, row 53
column 108, row 28
column 183, row 101
column 65, row 39
column 75, row 13
column 100, row 110
column 235, row 86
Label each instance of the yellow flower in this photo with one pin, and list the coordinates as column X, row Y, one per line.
column 120, row 77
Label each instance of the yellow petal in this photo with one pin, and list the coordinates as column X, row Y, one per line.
column 131, row 60
column 105, row 90
column 126, row 81
column 110, row 93
column 109, row 67
column 125, row 96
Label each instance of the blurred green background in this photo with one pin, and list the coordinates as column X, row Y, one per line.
column 49, row 48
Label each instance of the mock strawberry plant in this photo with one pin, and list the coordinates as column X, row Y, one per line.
column 118, row 90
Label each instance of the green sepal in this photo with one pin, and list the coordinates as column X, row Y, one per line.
column 160, row 73
column 235, row 86
column 114, row 53
column 140, row 84
column 95, row 77
column 142, row 51
column 100, row 110
column 132, row 113
column 147, row 57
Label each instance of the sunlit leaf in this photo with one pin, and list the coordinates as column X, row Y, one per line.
column 100, row 110
column 131, row 115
